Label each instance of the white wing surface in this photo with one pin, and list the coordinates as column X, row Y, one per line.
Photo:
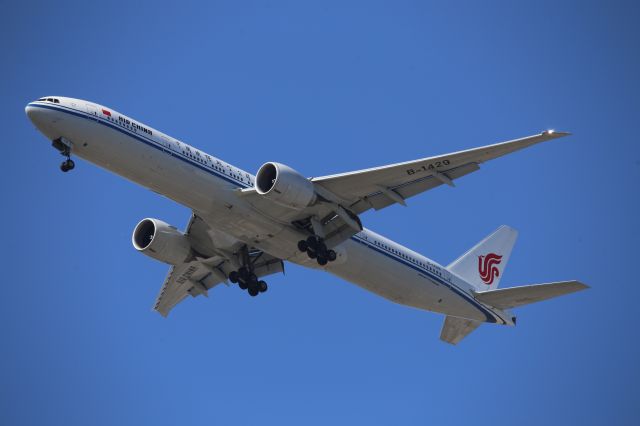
column 380, row 187
column 210, row 266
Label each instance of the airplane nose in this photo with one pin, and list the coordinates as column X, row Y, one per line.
column 35, row 115
column 42, row 118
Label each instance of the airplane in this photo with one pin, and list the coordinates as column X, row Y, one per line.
column 244, row 227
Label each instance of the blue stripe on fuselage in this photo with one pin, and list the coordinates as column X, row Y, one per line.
column 491, row 317
column 140, row 138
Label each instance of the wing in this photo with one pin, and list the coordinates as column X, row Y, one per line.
column 184, row 280
column 211, row 266
column 382, row 186
column 344, row 196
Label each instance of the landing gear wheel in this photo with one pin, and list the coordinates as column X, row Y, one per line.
column 253, row 280
column 331, row 255
column 243, row 273
column 303, row 246
column 312, row 242
column 67, row 165
column 322, row 260
column 312, row 254
column 252, row 285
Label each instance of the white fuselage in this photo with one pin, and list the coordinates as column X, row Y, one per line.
column 210, row 187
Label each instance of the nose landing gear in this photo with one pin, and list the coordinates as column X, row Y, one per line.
column 64, row 146
column 317, row 249
column 67, row 165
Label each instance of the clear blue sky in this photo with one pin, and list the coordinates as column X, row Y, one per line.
column 325, row 87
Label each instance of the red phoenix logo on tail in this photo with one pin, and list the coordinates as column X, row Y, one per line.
column 487, row 267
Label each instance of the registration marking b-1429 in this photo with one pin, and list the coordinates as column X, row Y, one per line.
column 430, row 166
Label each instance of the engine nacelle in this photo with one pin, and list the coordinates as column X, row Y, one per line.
column 161, row 241
column 283, row 185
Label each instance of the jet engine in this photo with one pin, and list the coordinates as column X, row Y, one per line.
column 285, row 186
column 161, row 241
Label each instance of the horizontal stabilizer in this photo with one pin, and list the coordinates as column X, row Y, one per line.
column 455, row 329
column 506, row 298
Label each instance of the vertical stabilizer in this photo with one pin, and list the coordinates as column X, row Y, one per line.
column 484, row 264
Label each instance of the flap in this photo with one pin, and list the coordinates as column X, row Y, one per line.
column 211, row 266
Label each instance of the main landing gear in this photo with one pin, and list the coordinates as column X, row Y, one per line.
column 317, row 249
column 246, row 278
column 248, row 281
column 64, row 147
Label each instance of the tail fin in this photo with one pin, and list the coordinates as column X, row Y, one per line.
column 484, row 264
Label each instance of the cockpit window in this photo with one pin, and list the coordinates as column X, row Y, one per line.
column 55, row 101
column 49, row 99
column 42, row 99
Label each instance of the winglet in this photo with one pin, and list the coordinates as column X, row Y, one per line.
column 555, row 133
